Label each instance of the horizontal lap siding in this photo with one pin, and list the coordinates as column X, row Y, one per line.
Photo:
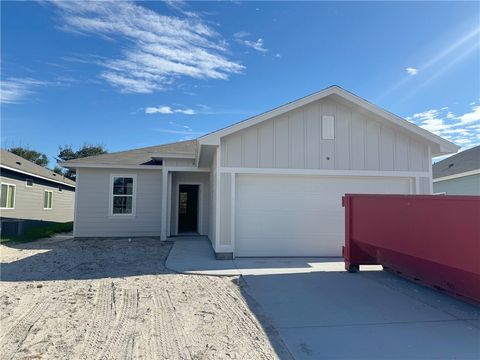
column 93, row 218
column 29, row 201
column 294, row 140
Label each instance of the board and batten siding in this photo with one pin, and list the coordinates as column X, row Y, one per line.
column 93, row 217
column 29, row 201
column 294, row 141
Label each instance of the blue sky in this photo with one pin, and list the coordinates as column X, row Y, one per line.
column 130, row 75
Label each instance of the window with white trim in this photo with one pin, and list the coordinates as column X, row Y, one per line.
column 48, row 200
column 123, row 195
column 7, row 196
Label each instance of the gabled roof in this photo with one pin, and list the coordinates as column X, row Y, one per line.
column 440, row 146
column 16, row 163
column 465, row 161
column 137, row 157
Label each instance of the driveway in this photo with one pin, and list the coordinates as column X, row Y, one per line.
column 110, row 299
column 321, row 311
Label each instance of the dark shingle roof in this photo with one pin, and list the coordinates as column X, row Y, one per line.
column 16, row 162
column 140, row 156
column 464, row 161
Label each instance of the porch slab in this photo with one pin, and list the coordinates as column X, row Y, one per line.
column 195, row 255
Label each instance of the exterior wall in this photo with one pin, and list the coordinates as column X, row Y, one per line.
column 201, row 178
column 294, row 141
column 179, row 162
column 212, row 234
column 467, row 185
column 227, row 184
column 92, row 217
column 29, row 201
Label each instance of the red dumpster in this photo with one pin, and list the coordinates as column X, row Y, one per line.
column 430, row 238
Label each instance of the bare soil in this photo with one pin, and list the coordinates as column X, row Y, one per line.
column 108, row 299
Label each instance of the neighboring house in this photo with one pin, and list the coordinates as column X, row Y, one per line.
column 458, row 174
column 271, row 185
column 33, row 194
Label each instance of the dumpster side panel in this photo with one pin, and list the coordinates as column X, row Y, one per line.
column 433, row 239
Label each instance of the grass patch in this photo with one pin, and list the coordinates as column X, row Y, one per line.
column 40, row 232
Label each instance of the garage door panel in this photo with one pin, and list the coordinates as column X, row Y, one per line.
column 280, row 215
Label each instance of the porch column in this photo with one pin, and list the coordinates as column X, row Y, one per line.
column 163, row 223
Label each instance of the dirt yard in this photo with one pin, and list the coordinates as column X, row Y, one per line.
column 109, row 299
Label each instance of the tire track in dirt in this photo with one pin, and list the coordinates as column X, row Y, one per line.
column 104, row 314
column 168, row 340
column 234, row 308
column 122, row 335
column 13, row 339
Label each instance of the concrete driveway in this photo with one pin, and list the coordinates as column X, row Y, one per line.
column 321, row 311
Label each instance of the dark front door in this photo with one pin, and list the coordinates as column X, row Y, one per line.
column 188, row 208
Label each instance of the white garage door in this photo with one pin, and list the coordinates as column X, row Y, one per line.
column 282, row 215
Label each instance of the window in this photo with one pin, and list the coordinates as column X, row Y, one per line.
column 7, row 197
column 47, row 200
column 123, row 195
column 328, row 127
column 28, row 182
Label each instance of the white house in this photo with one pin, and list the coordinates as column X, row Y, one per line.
column 267, row 186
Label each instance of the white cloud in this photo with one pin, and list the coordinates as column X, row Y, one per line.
column 179, row 132
column 471, row 117
column 411, row 71
column 254, row 44
column 464, row 130
column 158, row 49
column 15, row 90
column 168, row 110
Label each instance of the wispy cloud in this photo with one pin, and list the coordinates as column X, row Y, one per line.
column 198, row 109
column 411, row 71
column 159, row 49
column 178, row 132
column 439, row 63
column 254, row 44
column 15, row 90
column 168, row 110
column 464, row 129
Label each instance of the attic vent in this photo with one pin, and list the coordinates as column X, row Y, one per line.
column 328, row 127
column 18, row 163
column 450, row 166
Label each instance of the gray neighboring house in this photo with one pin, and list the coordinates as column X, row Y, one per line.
column 32, row 195
column 271, row 185
column 458, row 174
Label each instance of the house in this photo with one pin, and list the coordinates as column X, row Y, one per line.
column 458, row 174
column 32, row 195
column 270, row 185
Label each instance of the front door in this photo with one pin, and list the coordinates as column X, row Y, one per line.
column 188, row 208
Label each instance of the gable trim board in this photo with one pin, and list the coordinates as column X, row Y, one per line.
column 459, row 175
column 37, row 176
column 241, row 189
column 445, row 146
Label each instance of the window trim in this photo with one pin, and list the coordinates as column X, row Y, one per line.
column 47, row 191
column 14, row 196
column 26, row 182
column 134, row 196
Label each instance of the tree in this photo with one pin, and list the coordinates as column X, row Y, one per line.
column 67, row 153
column 30, row 155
